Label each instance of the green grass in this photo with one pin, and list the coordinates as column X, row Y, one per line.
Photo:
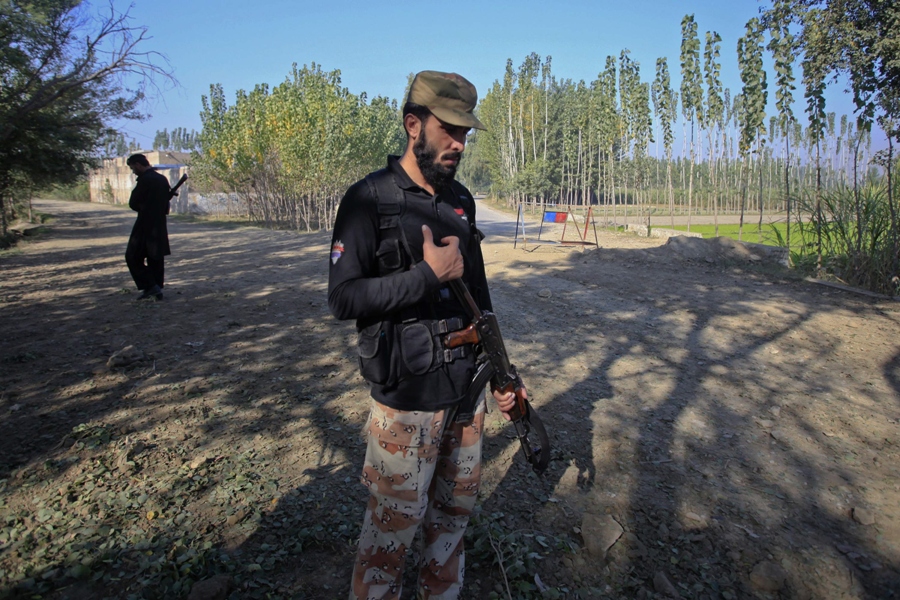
column 751, row 232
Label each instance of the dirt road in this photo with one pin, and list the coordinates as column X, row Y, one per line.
column 721, row 429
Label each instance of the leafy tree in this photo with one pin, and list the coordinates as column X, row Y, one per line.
column 666, row 107
column 859, row 39
column 608, row 124
column 114, row 144
column 161, row 140
column 814, row 74
column 180, row 140
column 62, row 75
column 521, row 116
column 856, row 38
column 637, row 130
column 715, row 108
column 754, row 94
column 629, row 80
column 291, row 152
column 473, row 171
column 691, row 91
column 783, row 49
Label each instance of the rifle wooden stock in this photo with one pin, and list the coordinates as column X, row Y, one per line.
column 469, row 335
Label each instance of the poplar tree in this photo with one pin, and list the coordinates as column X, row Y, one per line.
column 856, row 38
column 691, row 92
column 491, row 141
column 531, row 123
column 608, row 126
column 754, row 95
column 814, row 71
column 628, row 82
column 641, row 128
column 510, row 152
column 783, row 49
column 666, row 107
column 715, row 110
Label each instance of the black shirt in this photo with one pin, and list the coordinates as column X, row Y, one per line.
column 150, row 199
column 357, row 289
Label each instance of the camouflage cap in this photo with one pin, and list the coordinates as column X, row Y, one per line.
column 449, row 97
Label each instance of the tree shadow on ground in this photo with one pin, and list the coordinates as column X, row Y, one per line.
column 153, row 466
column 232, row 446
column 714, row 472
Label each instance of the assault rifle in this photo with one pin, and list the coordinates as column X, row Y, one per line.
column 174, row 191
column 494, row 366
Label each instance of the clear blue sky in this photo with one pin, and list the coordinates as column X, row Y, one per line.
column 376, row 44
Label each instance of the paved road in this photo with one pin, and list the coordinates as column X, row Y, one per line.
column 493, row 222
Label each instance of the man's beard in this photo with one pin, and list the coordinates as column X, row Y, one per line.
column 436, row 175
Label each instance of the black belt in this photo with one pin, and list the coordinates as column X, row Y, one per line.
column 450, row 354
column 443, row 326
column 439, row 326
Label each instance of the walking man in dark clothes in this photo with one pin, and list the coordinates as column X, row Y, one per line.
column 400, row 236
column 149, row 241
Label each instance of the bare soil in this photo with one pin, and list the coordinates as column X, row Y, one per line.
column 721, row 428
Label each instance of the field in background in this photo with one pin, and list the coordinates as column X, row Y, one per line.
column 769, row 234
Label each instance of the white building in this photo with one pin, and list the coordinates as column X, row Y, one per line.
column 112, row 183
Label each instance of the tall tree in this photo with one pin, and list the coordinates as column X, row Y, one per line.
column 856, row 38
column 814, row 73
column 691, row 92
column 754, row 96
column 666, row 107
column 859, row 39
column 63, row 71
column 608, row 126
column 290, row 153
column 715, row 109
column 783, row 49
column 629, row 80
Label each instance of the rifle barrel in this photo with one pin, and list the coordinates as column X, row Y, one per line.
column 174, row 190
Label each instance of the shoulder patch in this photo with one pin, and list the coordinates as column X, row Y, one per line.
column 337, row 249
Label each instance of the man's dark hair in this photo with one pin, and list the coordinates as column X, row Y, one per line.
column 137, row 159
column 417, row 110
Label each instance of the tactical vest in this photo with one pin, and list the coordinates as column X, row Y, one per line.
column 391, row 202
column 410, row 343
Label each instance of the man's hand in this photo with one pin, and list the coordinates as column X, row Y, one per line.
column 446, row 261
column 506, row 401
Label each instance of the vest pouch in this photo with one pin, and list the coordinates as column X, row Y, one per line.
column 389, row 257
column 417, row 348
column 374, row 349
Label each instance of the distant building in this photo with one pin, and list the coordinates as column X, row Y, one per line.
column 112, row 183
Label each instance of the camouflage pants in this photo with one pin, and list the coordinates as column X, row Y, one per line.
column 421, row 468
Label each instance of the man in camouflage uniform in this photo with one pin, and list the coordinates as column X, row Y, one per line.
column 400, row 236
